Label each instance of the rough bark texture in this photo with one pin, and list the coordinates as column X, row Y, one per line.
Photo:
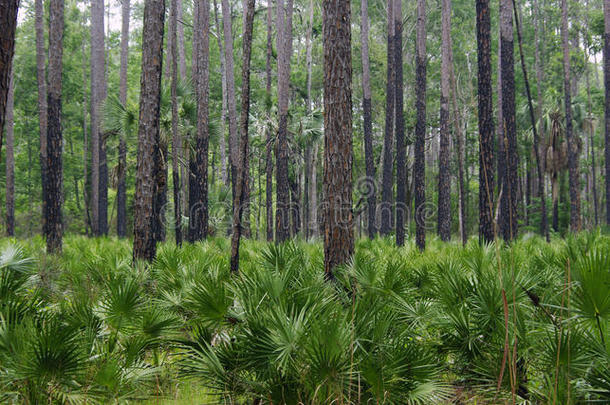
column 419, row 171
column 575, row 224
column 284, row 50
column 198, row 181
column 309, row 161
column 510, row 183
column 607, row 102
column 10, row 159
column 144, row 244
column 444, row 175
column 486, row 143
column 42, row 101
column 539, row 168
column 176, row 141
column 223, row 114
column 369, row 157
column 242, row 169
column 54, row 138
column 8, row 22
column 269, row 142
column 338, row 216
column 387, row 181
column 401, row 147
column 121, row 207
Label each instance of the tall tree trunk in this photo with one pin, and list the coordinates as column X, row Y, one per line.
column 198, row 182
column 42, row 101
column 180, row 28
column 369, row 157
column 269, row 142
column 144, row 243
column 8, row 22
column 242, row 170
column 387, row 180
column 54, row 137
column 607, row 103
column 10, row 158
column 338, row 216
column 486, row 143
column 308, row 150
column 86, row 177
column 223, row 112
column 284, row 50
column 539, row 79
column 510, row 183
column 444, row 175
column 591, row 129
column 401, row 147
column 176, row 141
column 419, row 171
column 500, row 140
column 539, row 164
column 573, row 154
column 121, row 198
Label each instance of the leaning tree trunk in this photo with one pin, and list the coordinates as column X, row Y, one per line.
column 539, row 169
column 369, row 157
column 607, row 102
column 242, row 169
column 284, row 49
column 42, row 102
column 8, row 22
column 510, row 184
column 10, row 158
column 387, row 172
column 198, row 167
column 121, row 197
column 486, row 143
column 54, row 137
column 338, row 216
column 144, row 244
column 419, row 172
column 575, row 223
column 444, row 175
column 401, row 147
column 269, row 142
column 176, row 142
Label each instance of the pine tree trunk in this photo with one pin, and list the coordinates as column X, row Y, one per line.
column 607, row 103
column 401, row 147
column 42, row 101
column 419, row 171
column 308, row 149
column 284, row 49
column 223, row 113
column 591, row 128
column 573, row 154
column 121, row 219
column 269, row 141
column 444, row 175
column 86, row 177
column 176, row 141
column 369, row 157
column 181, row 53
column 198, row 181
column 242, row 170
column 338, row 217
column 10, row 158
column 8, row 22
column 54, row 136
column 387, row 180
column 486, row 143
column 144, row 243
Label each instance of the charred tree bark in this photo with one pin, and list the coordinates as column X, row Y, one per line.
column 121, row 197
column 42, row 102
column 176, row 141
column 419, row 170
column 144, row 243
column 444, row 175
column 270, row 141
column 401, row 146
column 338, row 216
column 8, row 22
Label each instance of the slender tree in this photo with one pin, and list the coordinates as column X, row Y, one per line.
column 8, row 22
column 10, row 158
column 242, row 169
column 144, row 243
column 41, row 77
column 309, row 158
column 486, row 143
column 338, row 216
column 401, row 147
column 510, row 177
column 574, row 178
column 54, row 136
column 284, row 49
column 269, row 142
column 180, row 29
column 444, row 175
column 121, row 198
column 387, row 172
column 223, row 114
column 368, row 120
column 607, row 102
column 420, row 127
column 176, row 141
